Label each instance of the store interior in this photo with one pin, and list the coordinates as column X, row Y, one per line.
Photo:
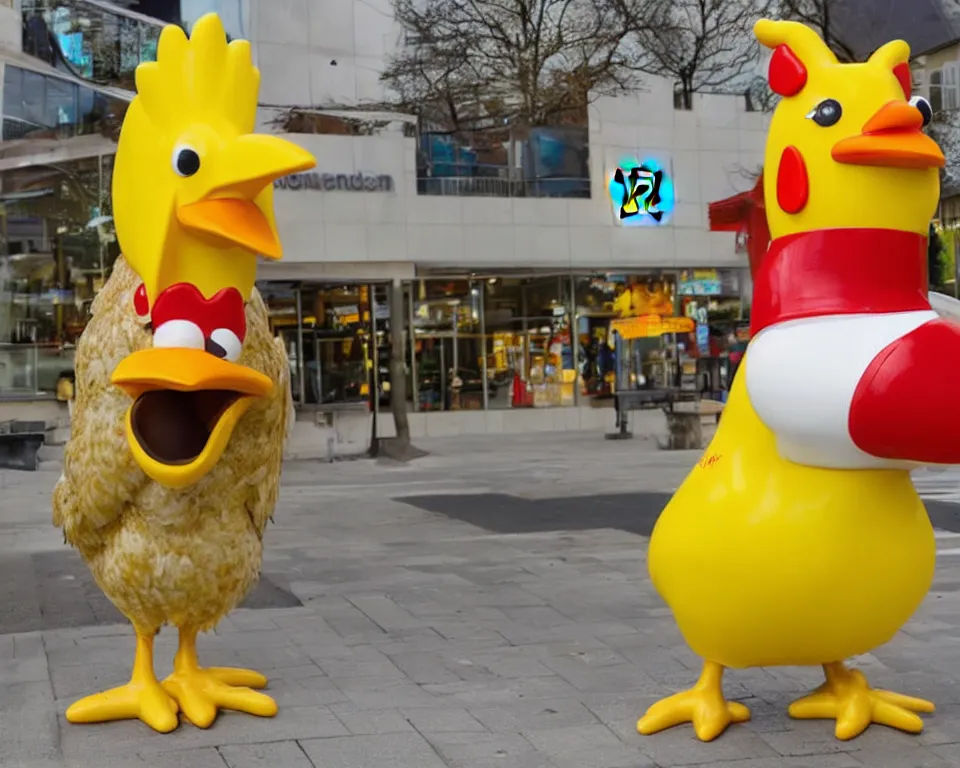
column 510, row 341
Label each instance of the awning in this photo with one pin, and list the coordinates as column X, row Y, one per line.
column 744, row 213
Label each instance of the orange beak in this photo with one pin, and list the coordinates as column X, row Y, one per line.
column 892, row 138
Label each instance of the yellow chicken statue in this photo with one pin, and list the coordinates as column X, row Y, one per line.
column 799, row 539
column 173, row 466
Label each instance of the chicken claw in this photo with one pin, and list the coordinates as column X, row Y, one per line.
column 703, row 705
column 141, row 699
column 847, row 697
column 200, row 692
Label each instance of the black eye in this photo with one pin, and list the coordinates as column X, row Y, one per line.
column 925, row 109
column 827, row 113
column 186, row 161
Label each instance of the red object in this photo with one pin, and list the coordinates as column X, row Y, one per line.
column 905, row 406
column 183, row 301
column 902, row 72
column 840, row 272
column 744, row 213
column 793, row 184
column 140, row 302
column 787, row 75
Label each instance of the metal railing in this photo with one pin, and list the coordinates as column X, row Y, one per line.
column 33, row 369
column 486, row 186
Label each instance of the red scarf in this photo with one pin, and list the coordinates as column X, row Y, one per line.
column 840, row 272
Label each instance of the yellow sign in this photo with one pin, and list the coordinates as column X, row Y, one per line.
column 650, row 326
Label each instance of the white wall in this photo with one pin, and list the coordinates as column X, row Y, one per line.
column 710, row 150
column 295, row 41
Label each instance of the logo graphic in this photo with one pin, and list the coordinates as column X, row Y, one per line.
column 642, row 192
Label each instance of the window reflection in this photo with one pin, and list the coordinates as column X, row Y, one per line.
column 56, row 250
column 90, row 42
column 448, row 347
column 40, row 106
column 528, row 346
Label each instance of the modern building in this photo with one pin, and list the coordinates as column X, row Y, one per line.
column 532, row 287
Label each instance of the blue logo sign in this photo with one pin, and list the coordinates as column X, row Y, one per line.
column 642, row 193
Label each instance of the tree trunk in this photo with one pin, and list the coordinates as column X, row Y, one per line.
column 399, row 448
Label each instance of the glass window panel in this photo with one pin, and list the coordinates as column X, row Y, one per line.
column 34, row 97
column 447, row 344
column 12, row 92
column 528, row 342
column 51, row 267
column 60, row 107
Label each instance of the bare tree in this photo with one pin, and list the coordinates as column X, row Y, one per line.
column 703, row 45
column 526, row 62
column 825, row 17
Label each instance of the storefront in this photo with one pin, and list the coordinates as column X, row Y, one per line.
column 337, row 340
column 489, row 342
column 56, row 250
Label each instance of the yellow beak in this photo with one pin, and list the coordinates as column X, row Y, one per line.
column 238, row 207
column 186, row 404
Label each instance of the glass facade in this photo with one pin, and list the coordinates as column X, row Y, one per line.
column 39, row 106
column 100, row 44
column 56, row 251
column 501, row 342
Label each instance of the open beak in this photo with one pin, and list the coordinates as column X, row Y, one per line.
column 892, row 138
column 238, row 208
column 186, row 403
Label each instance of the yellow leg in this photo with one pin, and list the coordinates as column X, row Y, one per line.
column 141, row 699
column 703, row 705
column 202, row 692
column 847, row 698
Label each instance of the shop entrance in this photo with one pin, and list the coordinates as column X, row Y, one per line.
column 337, row 341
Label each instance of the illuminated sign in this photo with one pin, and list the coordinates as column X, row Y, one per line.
column 642, row 193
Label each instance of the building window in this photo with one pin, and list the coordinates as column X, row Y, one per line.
column 337, row 341
column 447, row 345
column 547, row 162
column 96, row 43
column 39, row 106
column 57, row 248
column 527, row 342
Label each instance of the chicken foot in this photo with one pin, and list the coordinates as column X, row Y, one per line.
column 202, row 692
column 142, row 698
column 847, row 697
column 703, row 706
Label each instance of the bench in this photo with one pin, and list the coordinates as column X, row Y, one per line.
column 20, row 443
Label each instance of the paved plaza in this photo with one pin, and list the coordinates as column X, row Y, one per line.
column 485, row 606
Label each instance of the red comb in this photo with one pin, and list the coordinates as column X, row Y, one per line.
column 902, row 71
column 787, row 74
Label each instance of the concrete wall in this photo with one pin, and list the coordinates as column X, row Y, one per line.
column 322, row 51
column 350, row 433
column 710, row 151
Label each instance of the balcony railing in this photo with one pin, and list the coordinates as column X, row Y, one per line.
column 33, row 369
column 89, row 39
column 481, row 186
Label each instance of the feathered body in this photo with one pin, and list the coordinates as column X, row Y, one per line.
column 167, row 556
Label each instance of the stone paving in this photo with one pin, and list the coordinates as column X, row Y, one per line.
column 485, row 606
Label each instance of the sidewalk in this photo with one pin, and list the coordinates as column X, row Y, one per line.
column 396, row 635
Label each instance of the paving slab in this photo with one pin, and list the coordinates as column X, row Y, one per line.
column 485, row 606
